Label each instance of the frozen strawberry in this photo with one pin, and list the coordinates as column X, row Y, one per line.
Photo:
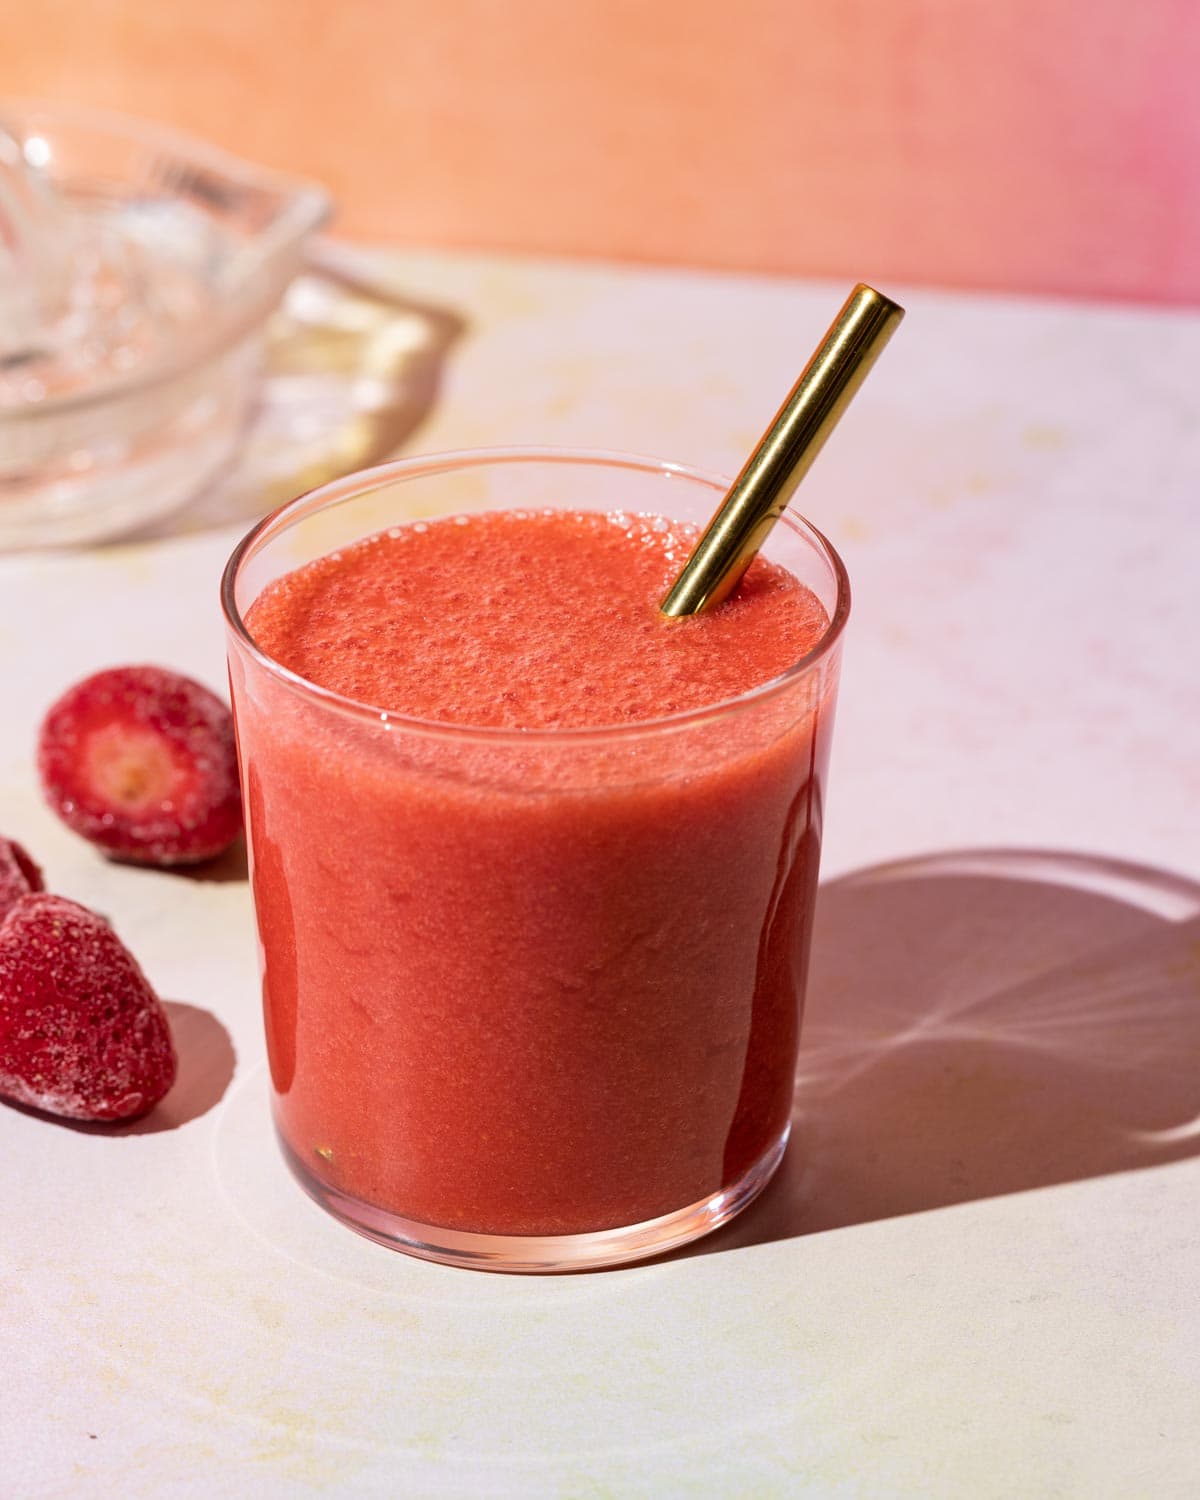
column 82, row 1034
column 141, row 761
column 18, row 874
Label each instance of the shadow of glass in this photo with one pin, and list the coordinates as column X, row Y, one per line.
column 984, row 1023
column 352, row 369
column 206, row 1067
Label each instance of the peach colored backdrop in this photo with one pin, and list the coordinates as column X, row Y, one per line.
column 1044, row 145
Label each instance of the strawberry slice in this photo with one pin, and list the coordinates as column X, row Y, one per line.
column 18, row 874
column 141, row 761
column 82, row 1034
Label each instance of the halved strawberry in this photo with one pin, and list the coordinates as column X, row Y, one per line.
column 18, row 874
column 82, row 1034
column 141, row 761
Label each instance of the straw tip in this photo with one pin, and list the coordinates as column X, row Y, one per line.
column 865, row 293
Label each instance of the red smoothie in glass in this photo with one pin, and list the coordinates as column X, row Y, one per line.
column 529, row 971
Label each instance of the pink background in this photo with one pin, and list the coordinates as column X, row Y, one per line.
column 1041, row 145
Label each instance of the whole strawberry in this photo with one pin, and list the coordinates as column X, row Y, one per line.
column 141, row 762
column 18, row 874
column 82, row 1034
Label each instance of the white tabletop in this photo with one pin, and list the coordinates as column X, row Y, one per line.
column 977, row 1274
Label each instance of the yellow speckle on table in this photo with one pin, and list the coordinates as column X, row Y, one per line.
column 1043, row 438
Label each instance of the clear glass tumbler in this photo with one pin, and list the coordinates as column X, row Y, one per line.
column 532, row 999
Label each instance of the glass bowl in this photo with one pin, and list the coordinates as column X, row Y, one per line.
column 138, row 268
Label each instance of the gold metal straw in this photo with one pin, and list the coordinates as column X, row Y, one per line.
column 760, row 493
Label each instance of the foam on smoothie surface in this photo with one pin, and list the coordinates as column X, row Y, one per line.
column 529, row 619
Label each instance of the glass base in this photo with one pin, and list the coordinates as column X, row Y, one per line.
column 542, row 1253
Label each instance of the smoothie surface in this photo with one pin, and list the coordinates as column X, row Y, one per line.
column 529, row 620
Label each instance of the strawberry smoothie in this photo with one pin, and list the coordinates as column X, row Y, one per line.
column 533, row 874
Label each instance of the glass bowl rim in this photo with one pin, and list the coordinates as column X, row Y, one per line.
column 304, row 206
